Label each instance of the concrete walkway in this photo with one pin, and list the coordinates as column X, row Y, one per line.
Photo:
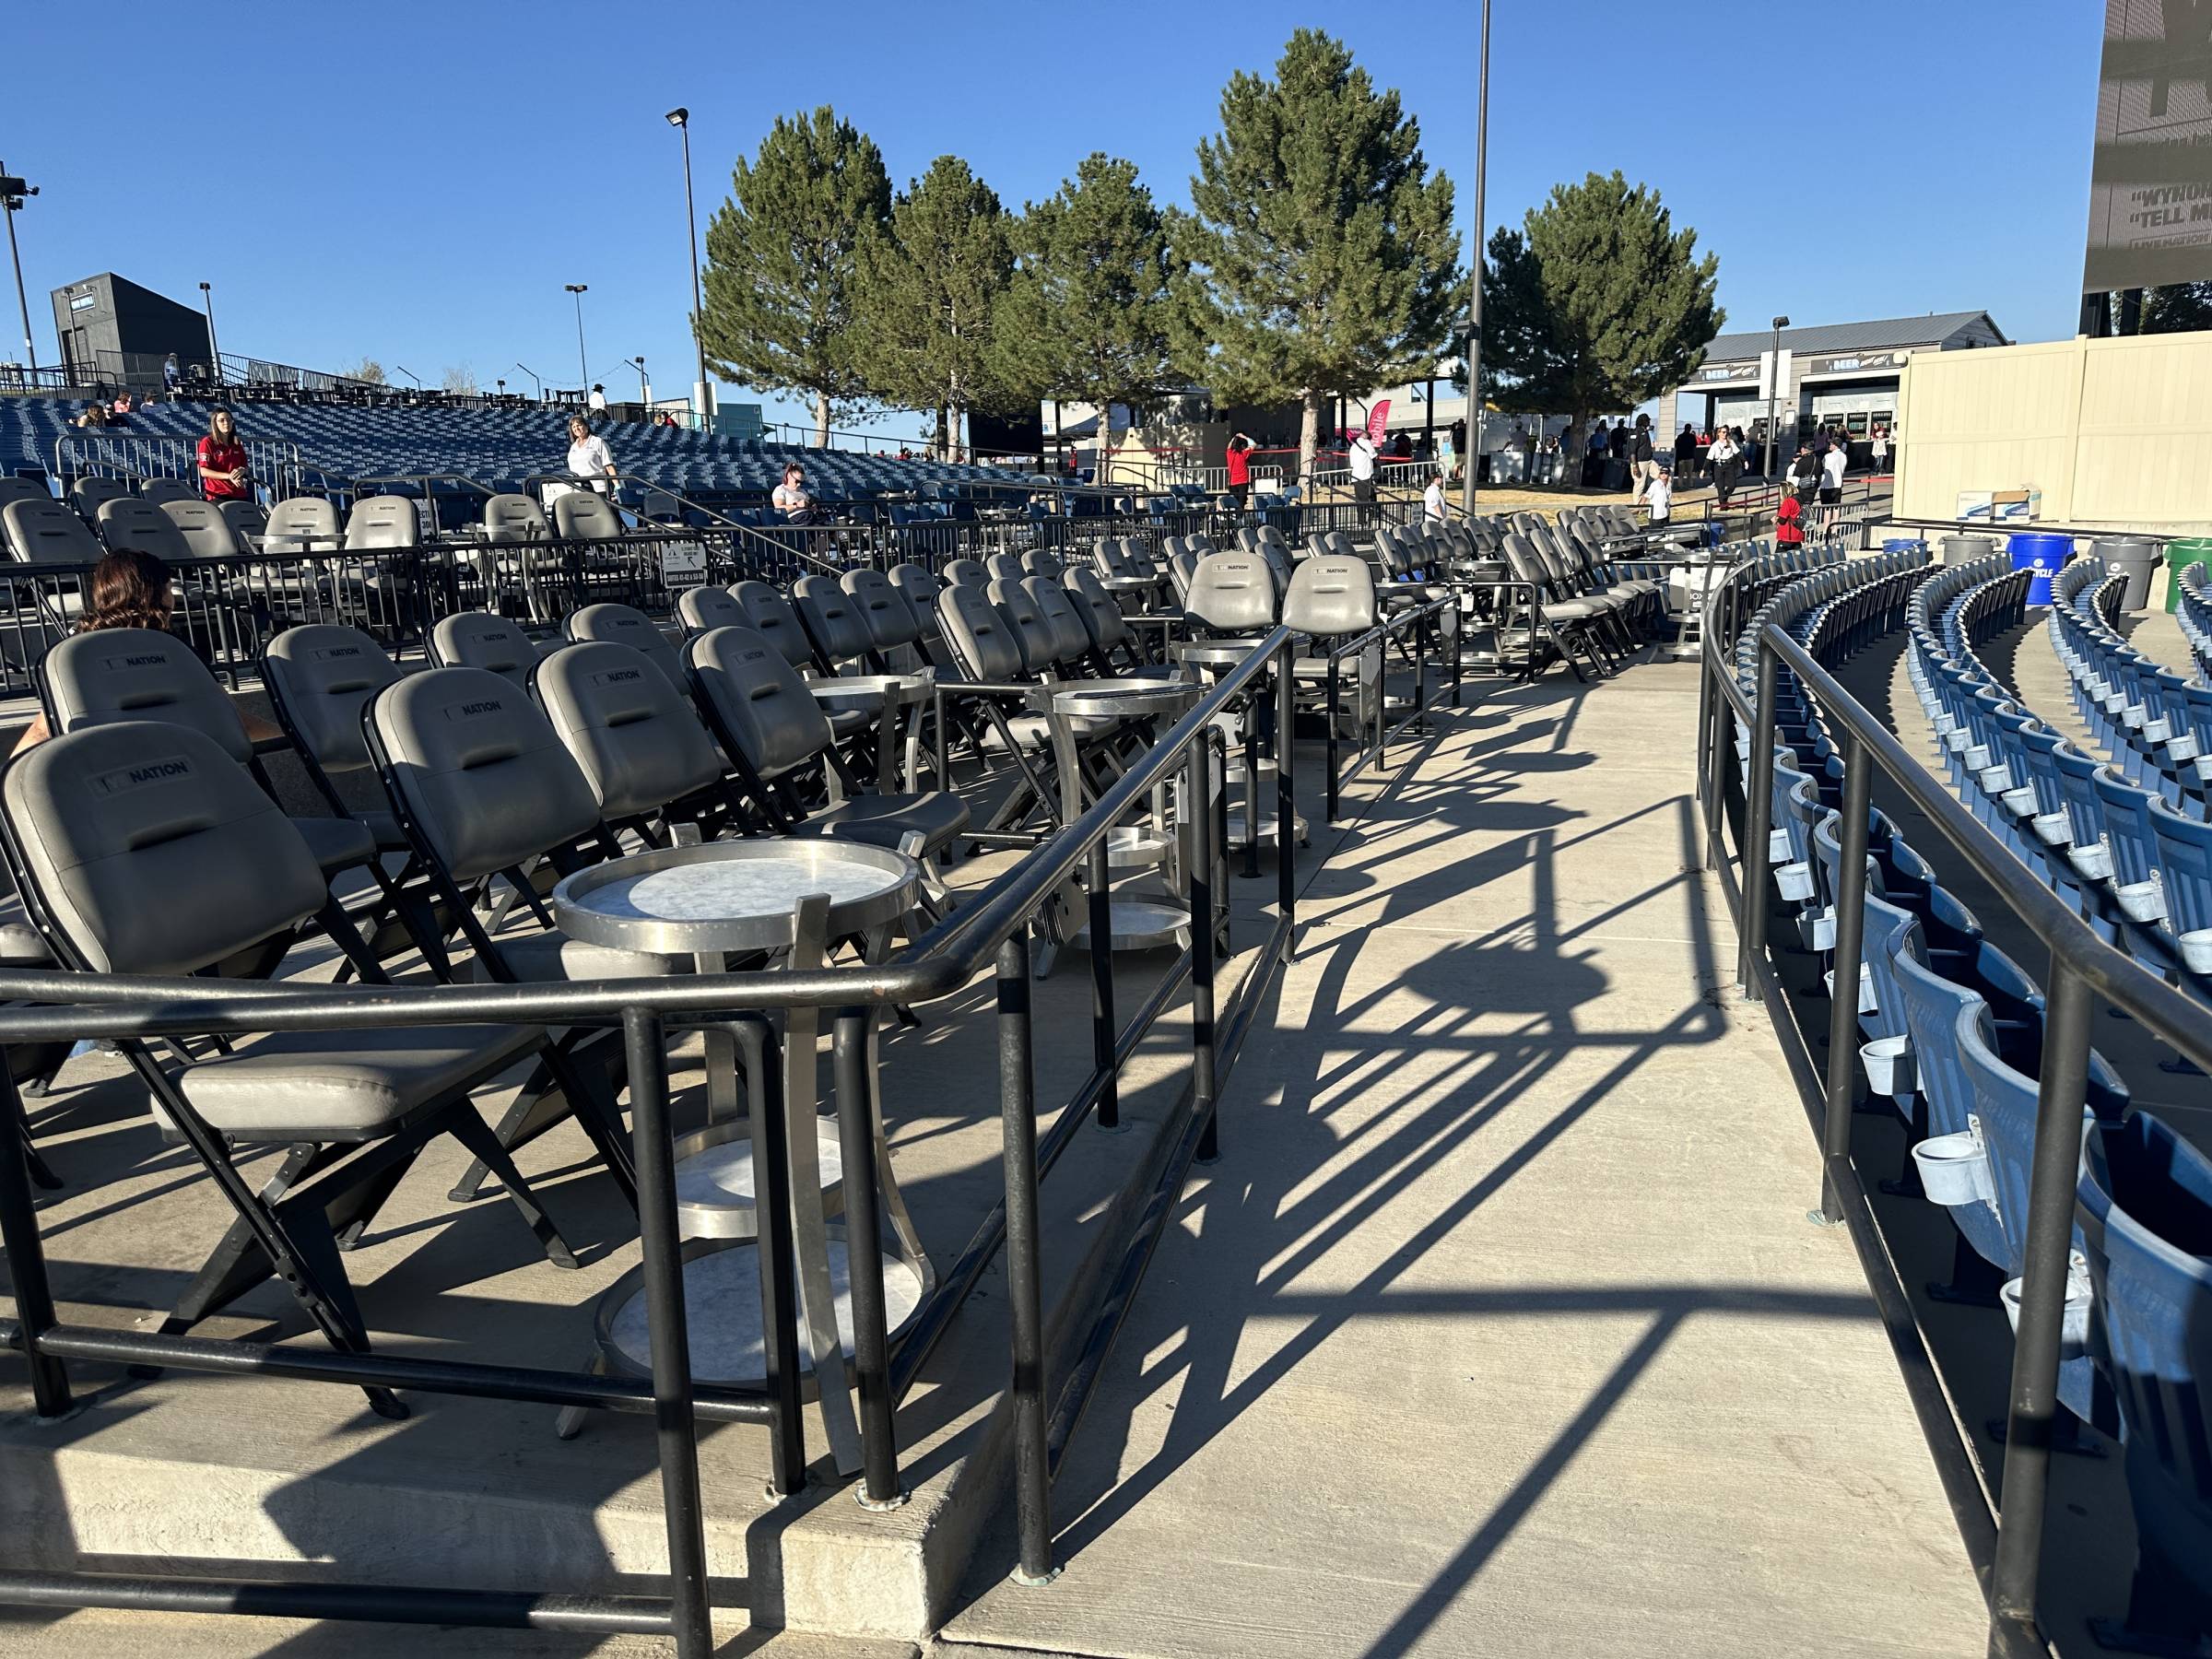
column 1498, row 1326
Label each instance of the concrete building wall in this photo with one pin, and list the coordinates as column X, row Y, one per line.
column 2112, row 433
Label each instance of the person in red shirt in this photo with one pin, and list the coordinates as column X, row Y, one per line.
column 1239, row 460
column 224, row 475
column 1789, row 523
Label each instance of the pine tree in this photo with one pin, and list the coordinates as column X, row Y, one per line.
column 2178, row 308
column 1087, row 316
column 782, row 258
column 1597, row 303
column 1322, row 258
column 923, row 319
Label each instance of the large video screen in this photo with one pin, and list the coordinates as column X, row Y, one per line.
column 2150, row 186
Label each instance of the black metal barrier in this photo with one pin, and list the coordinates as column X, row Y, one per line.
column 2006, row 1547
column 991, row 929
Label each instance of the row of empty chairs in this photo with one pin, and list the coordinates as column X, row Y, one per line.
column 1953, row 1037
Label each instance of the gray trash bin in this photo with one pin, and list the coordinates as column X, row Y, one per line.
column 2133, row 556
column 1965, row 549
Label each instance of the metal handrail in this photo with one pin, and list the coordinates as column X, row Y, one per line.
column 2082, row 965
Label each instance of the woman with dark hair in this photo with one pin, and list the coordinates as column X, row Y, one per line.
column 223, row 461
column 130, row 589
column 588, row 455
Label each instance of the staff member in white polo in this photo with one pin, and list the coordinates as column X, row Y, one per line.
column 588, row 455
column 1361, row 458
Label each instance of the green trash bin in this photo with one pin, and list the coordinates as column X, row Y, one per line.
column 2180, row 556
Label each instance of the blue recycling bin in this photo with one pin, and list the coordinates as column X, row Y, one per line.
column 2043, row 554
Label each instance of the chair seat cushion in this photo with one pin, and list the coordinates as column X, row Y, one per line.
column 555, row 956
column 1575, row 610
column 337, row 842
column 884, row 820
column 1316, row 668
column 1635, row 588
column 344, row 1084
column 20, row 946
column 845, row 723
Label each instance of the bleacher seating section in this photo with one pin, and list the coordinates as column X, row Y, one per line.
column 1954, row 1029
column 498, row 447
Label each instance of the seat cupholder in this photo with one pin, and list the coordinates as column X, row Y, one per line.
column 1796, row 881
column 1954, row 1169
column 1890, row 1067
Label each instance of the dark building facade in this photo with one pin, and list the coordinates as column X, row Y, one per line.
column 117, row 334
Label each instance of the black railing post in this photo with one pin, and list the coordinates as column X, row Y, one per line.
column 1705, row 774
column 1198, row 876
column 1757, row 812
column 1843, row 999
column 779, row 1268
column 1017, row 1118
column 1335, row 694
column 864, row 1257
column 27, row 1251
column 2034, row 1400
column 662, row 1246
column 1103, row 1030
column 1286, row 800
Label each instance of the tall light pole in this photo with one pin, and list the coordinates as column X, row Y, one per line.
column 13, row 191
column 680, row 119
column 644, row 387
column 1482, row 148
column 1774, row 393
column 214, row 354
column 534, row 380
column 583, row 384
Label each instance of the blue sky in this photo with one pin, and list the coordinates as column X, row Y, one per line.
column 416, row 182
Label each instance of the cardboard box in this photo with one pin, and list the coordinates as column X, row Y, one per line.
column 2000, row 506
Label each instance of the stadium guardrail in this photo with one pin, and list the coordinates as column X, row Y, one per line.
column 2004, row 1544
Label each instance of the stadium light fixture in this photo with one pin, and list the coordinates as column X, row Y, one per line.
column 1774, row 393
column 535, row 381
column 14, row 192
column 680, row 119
column 644, row 387
column 584, row 384
column 1474, row 406
column 214, row 353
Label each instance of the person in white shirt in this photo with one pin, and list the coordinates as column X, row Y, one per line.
column 1432, row 500
column 1359, row 457
column 790, row 497
column 588, row 456
column 598, row 400
column 1832, row 474
column 1660, row 496
column 1728, row 462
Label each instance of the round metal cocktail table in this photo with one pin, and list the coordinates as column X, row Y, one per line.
column 1137, row 922
column 789, row 897
column 887, row 696
column 1214, row 653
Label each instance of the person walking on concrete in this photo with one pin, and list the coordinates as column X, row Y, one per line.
column 1686, row 451
column 1237, row 465
column 1726, row 457
column 1359, row 459
column 1879, row 449
column 1805, row 474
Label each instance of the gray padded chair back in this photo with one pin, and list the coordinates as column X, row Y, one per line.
column 966, row 572
column 702, row 608
column 128, row 521
column 979, row 635
column 623, row 625
column 138, row 674
column 248, row 521
column 153, row 851
column 89, row 495
column 758, row 699
column 322, row 674
column 1330, row 597
column 1039, row 640
column 1059, row 613
column 1231, row 593
column 586, row 516
column 833, row 622
column 636, row 737
column 303, row 523
column 1038, row 562
column 883, row 609
column 919, row 589
column 162, row 492
column 1004, row 567
column 479, row 639
column 770, row 614
column 379, row 521
column 45, row 532
column 1182, row 564
column 1110, row 557
column 204, row 529
column 22, row 490
column 511, row 518
column 1101, row 617
column 477, row 768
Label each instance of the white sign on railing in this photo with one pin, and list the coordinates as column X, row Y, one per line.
column 683, row 564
